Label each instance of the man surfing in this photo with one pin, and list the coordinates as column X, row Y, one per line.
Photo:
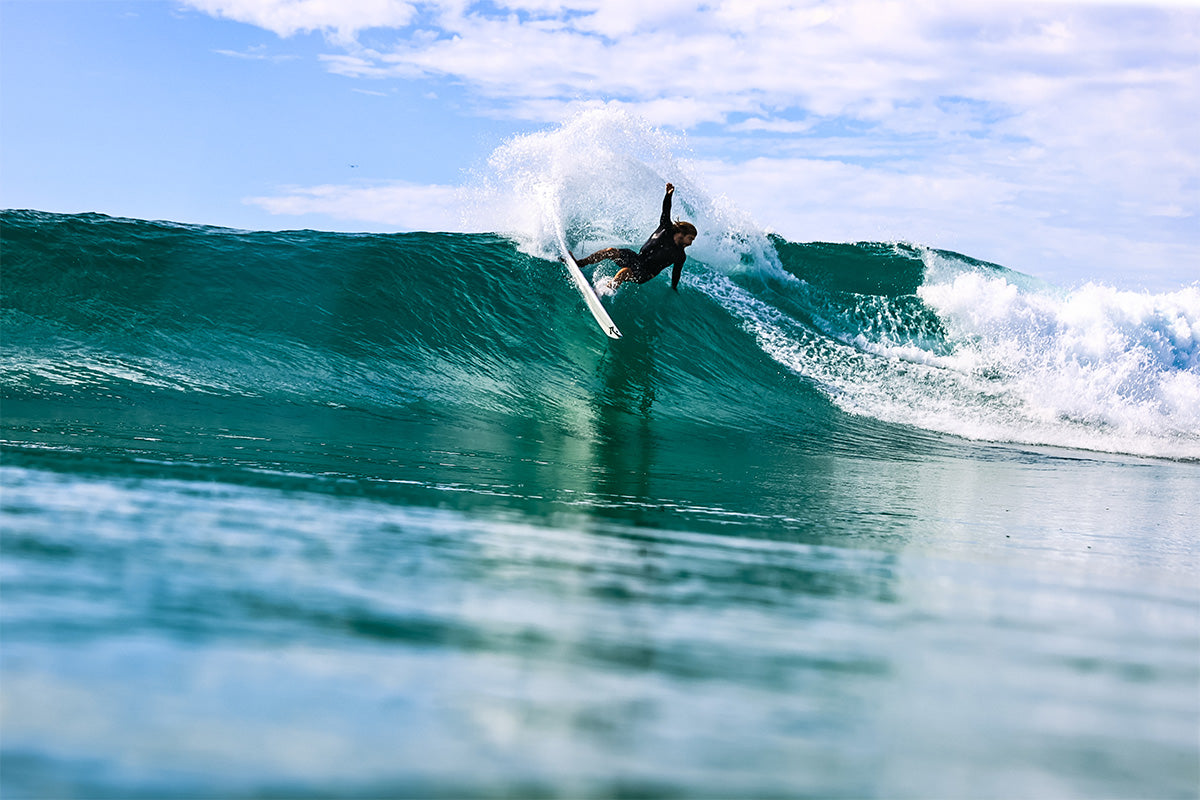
column 665, row 246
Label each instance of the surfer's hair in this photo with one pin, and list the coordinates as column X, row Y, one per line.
column 686, row 228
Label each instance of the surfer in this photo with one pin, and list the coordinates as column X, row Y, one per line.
column 665, row 246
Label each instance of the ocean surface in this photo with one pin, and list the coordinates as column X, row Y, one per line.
column 310, row 514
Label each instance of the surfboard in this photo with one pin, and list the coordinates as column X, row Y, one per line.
column 589, row 294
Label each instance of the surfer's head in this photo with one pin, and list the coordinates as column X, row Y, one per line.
column 685, row 233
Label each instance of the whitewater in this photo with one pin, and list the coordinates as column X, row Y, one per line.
column 312, row 513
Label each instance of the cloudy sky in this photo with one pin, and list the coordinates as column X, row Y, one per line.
column 1061, row 139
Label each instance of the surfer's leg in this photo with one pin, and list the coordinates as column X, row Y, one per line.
column 599, row 255
column 623, row 274
column 630, row 263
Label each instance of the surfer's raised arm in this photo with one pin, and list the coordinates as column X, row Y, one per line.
column 665, row 220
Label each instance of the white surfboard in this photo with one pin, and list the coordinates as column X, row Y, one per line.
column 589, row 294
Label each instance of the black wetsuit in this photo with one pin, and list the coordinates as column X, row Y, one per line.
column 656, row 254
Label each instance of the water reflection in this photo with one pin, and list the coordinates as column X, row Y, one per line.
column 595, row 653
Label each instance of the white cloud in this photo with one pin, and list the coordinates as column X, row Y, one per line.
column 956, row 208
column 857, row 59
column 288, row 17
column 394, row 206
column 258, row 53
column 772, row 126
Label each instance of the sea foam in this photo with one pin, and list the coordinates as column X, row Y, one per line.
column 601, row 176
column 1122, row 364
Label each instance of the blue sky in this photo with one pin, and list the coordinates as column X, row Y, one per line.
column 1056, row 138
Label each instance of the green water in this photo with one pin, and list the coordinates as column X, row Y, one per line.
column 258, row 538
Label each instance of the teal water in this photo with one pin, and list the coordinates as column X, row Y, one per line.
column 310, row 514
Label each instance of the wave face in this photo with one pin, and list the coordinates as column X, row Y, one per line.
column 832, row 342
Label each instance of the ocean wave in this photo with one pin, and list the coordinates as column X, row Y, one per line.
column 831, row 336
